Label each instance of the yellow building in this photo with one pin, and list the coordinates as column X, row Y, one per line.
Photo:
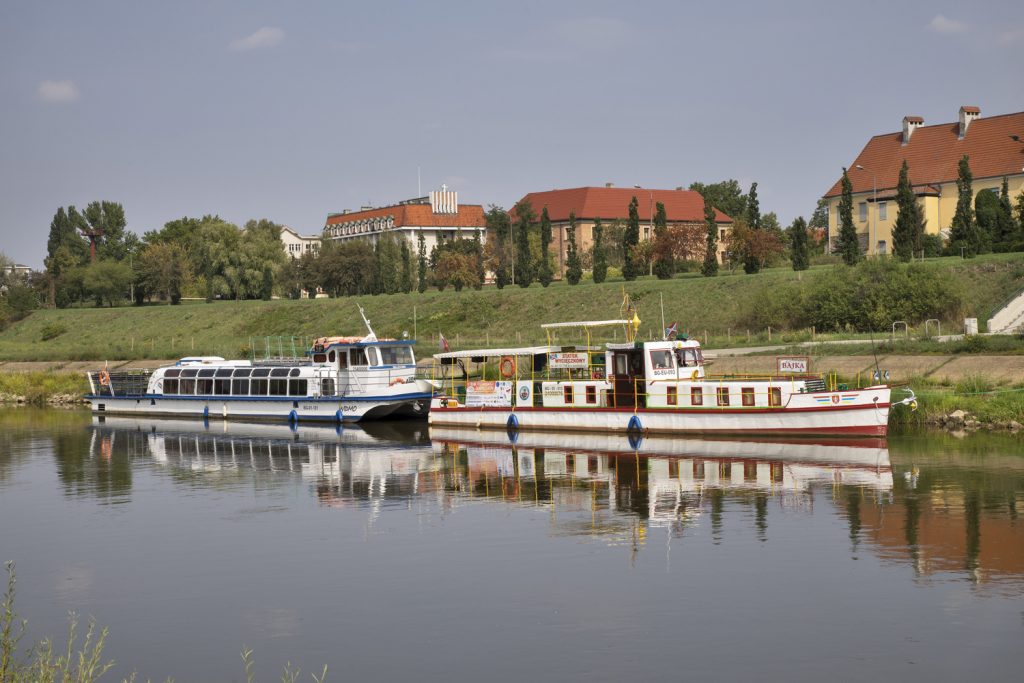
column 994, row 146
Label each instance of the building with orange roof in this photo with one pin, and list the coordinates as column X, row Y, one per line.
column 684, row 211
column 994, row 147
column 438, row 217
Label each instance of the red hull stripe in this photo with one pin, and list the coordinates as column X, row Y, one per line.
column 659, row 411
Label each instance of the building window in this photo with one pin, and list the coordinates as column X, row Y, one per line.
column 591, row 394
column 747, row 396
column 721, row 234
column 672, row 395
column 774, row 396
column 883, row 211
column 696, row 396
column 723, row 396
column 863, row 211
column 567, row 394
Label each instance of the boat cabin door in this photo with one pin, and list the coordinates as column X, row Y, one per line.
column 628, row 369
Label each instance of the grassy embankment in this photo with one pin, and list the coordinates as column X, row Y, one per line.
column 716, row 307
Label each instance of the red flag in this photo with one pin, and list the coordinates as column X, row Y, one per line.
column 443, row 342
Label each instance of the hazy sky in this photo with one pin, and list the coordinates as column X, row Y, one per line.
column 291, row 110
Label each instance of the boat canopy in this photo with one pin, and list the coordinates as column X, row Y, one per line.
column 495, row 353
column 586, row 323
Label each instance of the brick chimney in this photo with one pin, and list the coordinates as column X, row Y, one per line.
column 967, row 114
column 910, row 124
column 609, row 184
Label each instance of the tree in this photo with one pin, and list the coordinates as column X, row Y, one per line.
column 964, row 233
column 631, row 238
column 163, row 268
column 421, row 264
column 848, row 244
column 987, row 214
column 754, row 246
column 726, row 196
column 524, row 272
column 1006, row 227
column 710, row 268
column 65, row 250
column 1020, row 210
column 798, row 244
column 751, row 263
column 573, row 265
column 664, row 259
column 544, row 274
column 406, row 256
column 600, row 269
column 107, row 280
column 115, row 243
column 905, row 239
column 499, row 227
column 478, row 252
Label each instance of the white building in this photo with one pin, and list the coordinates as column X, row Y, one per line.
column 295, row 245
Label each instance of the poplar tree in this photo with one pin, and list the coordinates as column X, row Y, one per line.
column 905, row 238
column 798, row 244
column 481, row 270
column 544, row 274
column 751, row 261
column 421, row 265
column 964, row 233
column 848, row 244
column 524, row 262
column 406, row 281
column 600, row 271
column 664, row 262
column 630, row 238
column 573, row 266
column 499, row 227
column 1006, row 227
column 710, row 268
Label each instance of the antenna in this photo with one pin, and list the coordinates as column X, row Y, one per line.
column 371, row 337
column 419, row 185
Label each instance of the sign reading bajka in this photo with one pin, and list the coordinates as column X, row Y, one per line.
column 481, row 394
column 568, row 360
column 794, row 364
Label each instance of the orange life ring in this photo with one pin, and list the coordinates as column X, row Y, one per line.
column 104, row 378
column 507, row 367
column 397, row 380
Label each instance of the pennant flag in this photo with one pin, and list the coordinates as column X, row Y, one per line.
column 671, row 331
column 443, row 342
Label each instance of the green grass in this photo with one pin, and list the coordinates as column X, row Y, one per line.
column 37, row 387
column 1001, row 345
column 467, row 318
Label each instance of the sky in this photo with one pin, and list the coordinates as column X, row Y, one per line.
column 292, row 110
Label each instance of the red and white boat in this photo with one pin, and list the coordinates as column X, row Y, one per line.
column 644, row 387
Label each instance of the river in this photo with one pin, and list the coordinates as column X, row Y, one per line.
column 390, row 553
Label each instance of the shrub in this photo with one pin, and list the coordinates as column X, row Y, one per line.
column 52, row 331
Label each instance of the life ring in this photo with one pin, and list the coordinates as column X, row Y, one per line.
column 397, row 380
column 104, row 378
column 507, row 367
column 694, row 375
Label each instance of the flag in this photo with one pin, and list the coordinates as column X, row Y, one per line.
column 443, row 342
column 671, row 331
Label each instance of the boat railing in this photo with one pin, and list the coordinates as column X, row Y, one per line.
column 119, row 383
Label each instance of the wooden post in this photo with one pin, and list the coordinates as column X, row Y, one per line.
column 133, row 343
column 748, row 336
column 705, row 337
column 769, row 333
column 812, row 332
column 193, row 343
column 728, row 333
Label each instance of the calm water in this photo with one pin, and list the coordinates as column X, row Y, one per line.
column 391, row 556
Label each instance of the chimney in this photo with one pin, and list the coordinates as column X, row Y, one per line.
column 967, row 114
column 910, row 124
column 609, row 184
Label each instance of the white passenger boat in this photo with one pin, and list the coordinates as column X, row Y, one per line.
column 341, row 379
column 640, row 387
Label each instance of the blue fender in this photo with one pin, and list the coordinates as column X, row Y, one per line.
column 512, row 422
column 206, row 412
column 293, row 417
column 338, row 416
column 634, row 424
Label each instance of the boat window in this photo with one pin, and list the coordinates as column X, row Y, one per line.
column 278, row 387
column 187, row 386
column 687, row 358
column 342, row 359
column 261, row 372
column 204, row 387
column 672, row 396
column 331, row 356
column 189, row 372
column 170, row 386
column 222, row 387
column 661, row 359
column 621, row 364
column 723, row 396
column 327, row 386
column 258, row 387
column 279, row 372
column 774, row 396
column 696, row 396
column 359, row 357
column 239, row 387
column 298, row 387
column 243, row 372
column 223, row 372
column 206, row 372
column 591, row 394
column 567, row 394
column 319, row 357
column 173, row 372
column 294, row 372
column 396, row 355
column 747, row 396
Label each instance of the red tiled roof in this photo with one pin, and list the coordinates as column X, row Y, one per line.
column 417, row 215
column 610, row 203
column 914, row 119
column 934, row 152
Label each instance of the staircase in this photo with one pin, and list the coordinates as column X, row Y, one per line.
column 1009, row 318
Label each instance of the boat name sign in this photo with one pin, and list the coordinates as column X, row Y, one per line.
column 568, row 360
column 793, row 364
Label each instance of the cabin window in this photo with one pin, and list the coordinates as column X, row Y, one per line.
column 592, row 463
column 327, row 386
column 342, row 359
column 359, row 357
column 661, row 359
column 187, row 386
column 174, row 372
column 723, row 396
column 222, row 387
column 206, row 372
column 320, row 357
column 204, row 387
column 672, row 395
column 673, row 469
column 279, row 372
column 170, row 386
column 696, row 396
column 331, row 357
column 570, row 463
column 243, row 372
column 591, row 394
column 189, row 372
column 239, row 387
column 278, row 386
column 294, row 372
column 775, row 396
column 261, row 372
column 258, row 387
column 298, row 387
column 567, row 394
column 223, row 372
column 747, row 396
column 396, row 355
column 687, row 358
